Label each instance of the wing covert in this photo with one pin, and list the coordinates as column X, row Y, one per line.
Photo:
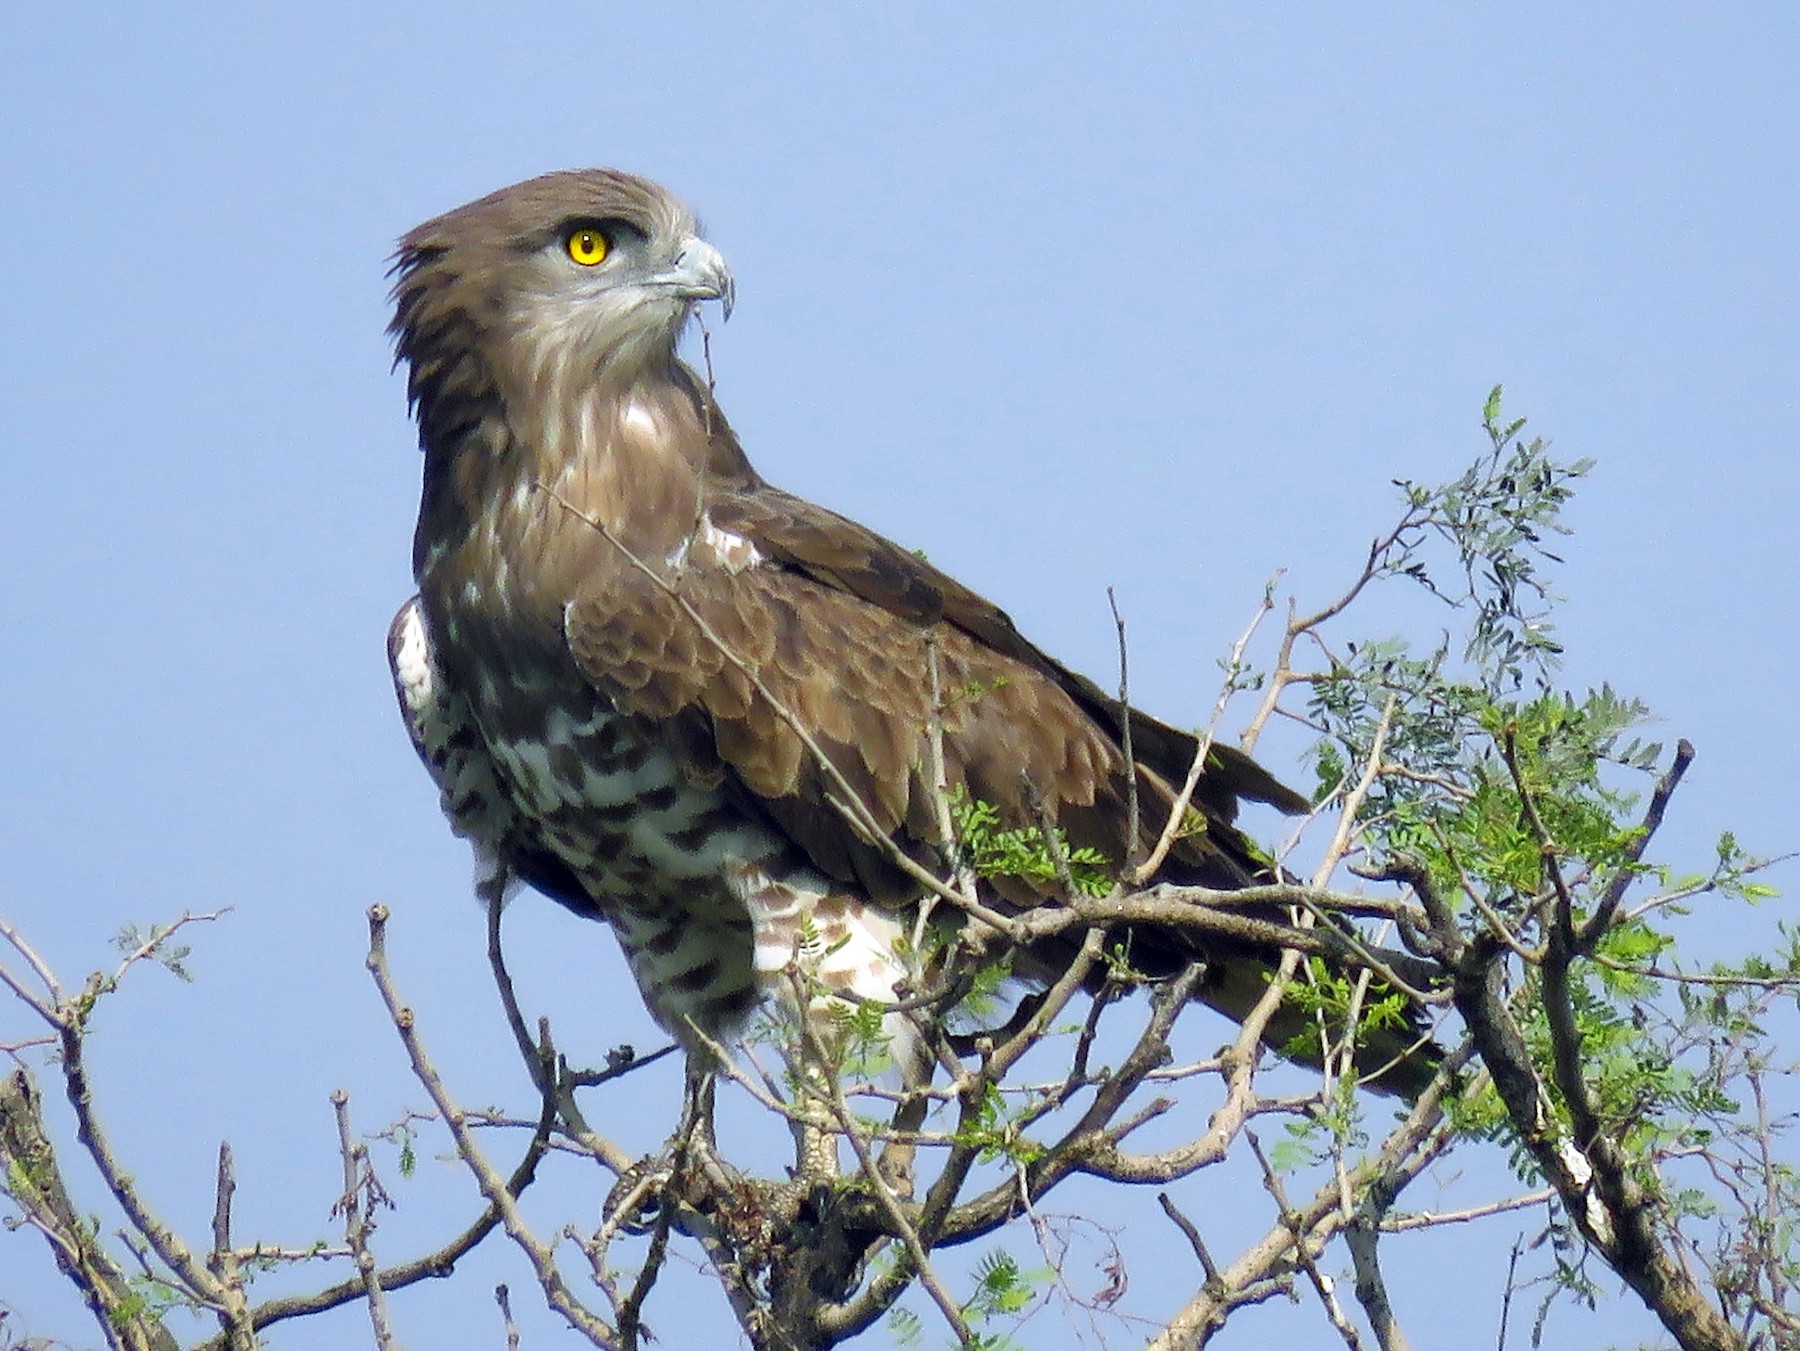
column 843, row 554
column 855, row 674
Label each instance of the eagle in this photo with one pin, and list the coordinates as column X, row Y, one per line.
column 719, row 718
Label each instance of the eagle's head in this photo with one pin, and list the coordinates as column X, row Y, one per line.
column 584, row 276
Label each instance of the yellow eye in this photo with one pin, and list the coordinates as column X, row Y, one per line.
column 588, row 246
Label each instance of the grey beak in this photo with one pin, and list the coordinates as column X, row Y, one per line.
column 700, row 273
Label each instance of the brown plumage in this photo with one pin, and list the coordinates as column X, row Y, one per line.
column 592, row 739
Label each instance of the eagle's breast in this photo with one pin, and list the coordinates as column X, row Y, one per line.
column 710, row 905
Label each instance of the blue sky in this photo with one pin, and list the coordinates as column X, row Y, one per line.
column 1159, row 297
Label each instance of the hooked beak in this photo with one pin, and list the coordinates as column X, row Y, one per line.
column 699, row 273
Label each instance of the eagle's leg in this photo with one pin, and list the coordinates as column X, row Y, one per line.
column 812, row 1121
column 699, row 1092
column 815, row 1149
column 646, row 1190
column 895, row 1162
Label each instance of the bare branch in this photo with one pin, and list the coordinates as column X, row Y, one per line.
column 360, row 1196
column 39, row 968
column 1323, row 1285
column 1192, row 1233
column 493, row 1186
column 1178, row 812
column 1426, row 1219
column 1362, row 1237
column 1608, row 909
column 890, row 1205
column 222, row 1260
column 552, row 1081
column 504, row 1299
column 169, row 1249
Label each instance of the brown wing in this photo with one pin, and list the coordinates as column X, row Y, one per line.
column 838, row 624
column 854, row 558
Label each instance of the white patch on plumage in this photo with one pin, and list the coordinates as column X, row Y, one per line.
column 854, row 948
column 733, row 552
column 415, row 679
column 728, row 550
column 471, row 798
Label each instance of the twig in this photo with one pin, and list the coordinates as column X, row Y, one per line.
column 358, row 1203
column 437, row 1264
column 551, row 1081
column 1184, row 799
column 1771, row 983
column 504, row 1299
column 1614, row 896
column 40, row 969
column 1353, row 800
column 1426, row 1219
column 169, row 1249
column 493, row 1187
column 1512, row 1267
column 630, row 1310
column 1133, row 845
column 1282, row 675
column 1258, row 1273
column 223, row 1260
column 159, row 935
column 1322, row 1284
column 1192, row 1231
column 890, row 1206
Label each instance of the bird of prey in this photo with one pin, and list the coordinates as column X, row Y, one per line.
column 647, row 683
